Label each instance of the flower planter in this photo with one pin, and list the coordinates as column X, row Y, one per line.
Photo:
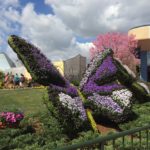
column 13, row 125
column 10, row 119
column 2, row 125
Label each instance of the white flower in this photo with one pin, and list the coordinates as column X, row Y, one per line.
column 92, row 66
column 74, row 104
column 67, row 101
column 122, row 96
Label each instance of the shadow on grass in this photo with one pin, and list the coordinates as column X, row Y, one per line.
column 103, row 120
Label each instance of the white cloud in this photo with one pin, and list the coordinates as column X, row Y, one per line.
column 85, row 18
column 55, row 34
column 1, row 41
column 49, row 33
column 90, row 18
column 9, row 16
column 9, row 3
column 46, row 31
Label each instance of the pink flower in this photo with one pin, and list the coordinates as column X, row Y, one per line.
column 11, row 117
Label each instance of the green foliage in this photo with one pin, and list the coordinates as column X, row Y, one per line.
column 1, row 79
column 30, row 134
column 140, row 92
column 75, row 82
column 1, row 75
column 123, row 76
column 85, row 136
column 127, row 144
column 141, row 117
column 71, row 124
column 50, row 136
column 126, row 79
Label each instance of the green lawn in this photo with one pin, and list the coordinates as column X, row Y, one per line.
column 28, row 100
column 31, row 102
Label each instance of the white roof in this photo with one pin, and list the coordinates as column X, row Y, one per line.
column 5, row 62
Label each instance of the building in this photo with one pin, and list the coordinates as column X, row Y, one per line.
column 142, row 34
column 6, row 62
column 75, row 67
column 60, row 66
column 72, row 69
column 7, row 65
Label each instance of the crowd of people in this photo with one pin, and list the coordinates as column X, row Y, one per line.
column 16, row 80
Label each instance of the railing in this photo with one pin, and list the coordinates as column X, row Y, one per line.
column 134, row 139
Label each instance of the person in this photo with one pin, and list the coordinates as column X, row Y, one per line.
column 16, row 79
column 22, row 80
column 6, row 77
column 11, row 78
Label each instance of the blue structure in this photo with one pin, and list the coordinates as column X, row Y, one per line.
column 148, row 66
column 142, row 34
column 143, row 70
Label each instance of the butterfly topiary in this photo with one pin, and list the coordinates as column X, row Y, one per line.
column 106, row 88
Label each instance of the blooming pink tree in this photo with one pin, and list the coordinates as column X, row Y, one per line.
column 122, row 44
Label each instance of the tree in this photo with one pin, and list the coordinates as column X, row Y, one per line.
column 122, row 44
column 1, row 78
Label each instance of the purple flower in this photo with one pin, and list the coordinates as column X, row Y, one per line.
column 74, row 104
column 105, row 102
column 92, row 87
column 106, row 69
column 96, row 62
column 71, row 90
column 40, row 68
column 80, row 108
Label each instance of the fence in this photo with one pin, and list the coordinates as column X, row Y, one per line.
column 140, row 135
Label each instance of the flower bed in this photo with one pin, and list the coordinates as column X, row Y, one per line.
column 40, row 68
column 104, row 86
column 105, row 93
column 69, row 110
column 10, row 119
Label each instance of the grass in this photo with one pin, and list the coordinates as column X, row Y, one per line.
column 31, row 102
column 142, row 118
column 28, row 100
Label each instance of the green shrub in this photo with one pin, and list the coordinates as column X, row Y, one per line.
column 75, row 82
column 1, row 79
column 139, row 92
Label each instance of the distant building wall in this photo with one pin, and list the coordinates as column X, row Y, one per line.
column 72, row 69
column 75, row 67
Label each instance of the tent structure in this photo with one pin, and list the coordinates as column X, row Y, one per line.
column 6, row 62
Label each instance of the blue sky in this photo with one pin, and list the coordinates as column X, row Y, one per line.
column 65, row 28
column 40, row 6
